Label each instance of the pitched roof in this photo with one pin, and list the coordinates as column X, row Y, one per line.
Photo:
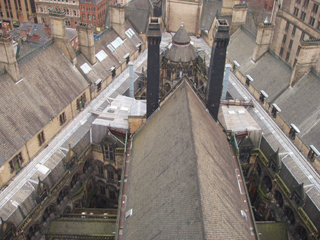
column 181, row 36
column 270, row 73
column 182, row 182
column 138, row 12
column 209, row 11
column 50, row 82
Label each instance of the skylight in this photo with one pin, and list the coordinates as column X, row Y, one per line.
column 115, row 44
column 85, row 68
column 129, row 33
column 101, row 55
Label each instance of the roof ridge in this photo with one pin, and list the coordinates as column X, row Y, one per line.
column 195, row 153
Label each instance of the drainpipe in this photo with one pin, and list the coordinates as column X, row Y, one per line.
column 131, row 76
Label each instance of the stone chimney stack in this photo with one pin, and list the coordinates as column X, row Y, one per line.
column 59, row 34
column 239, row 15
column 117, row 19
column 263, row 40
column 227, row 7
column 8, row 61
column 307, row 59
column 216, row 70
column 86, row 41
column 153, row 71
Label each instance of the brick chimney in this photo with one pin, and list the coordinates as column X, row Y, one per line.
column 86, row 41
column 263, row 40
column 153, row 71
column 239, row 15
column 8, row 61
column 307, row 59
column 117, row 19
column 216, row 70
column 59, row 34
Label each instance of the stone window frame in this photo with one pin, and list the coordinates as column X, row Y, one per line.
column 41, row 138
column 16, row 162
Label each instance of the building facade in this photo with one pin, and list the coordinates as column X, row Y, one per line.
column 93, row 12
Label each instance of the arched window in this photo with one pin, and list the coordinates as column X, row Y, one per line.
column 278, row 198
column 289, row 215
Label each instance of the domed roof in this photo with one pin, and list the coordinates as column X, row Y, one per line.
column 181, row 37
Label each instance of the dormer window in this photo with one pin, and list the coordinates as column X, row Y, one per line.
column 113, row 71
column 249, row 80
column 263, row 96
column 16, row 162
column 293, row 131
column 275, row 109
column 235, row 65
column 313, row 153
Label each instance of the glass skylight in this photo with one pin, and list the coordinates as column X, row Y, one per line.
column 101, row 55
column 85, row 68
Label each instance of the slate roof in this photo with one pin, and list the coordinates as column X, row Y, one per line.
column 270, row 73
column 181, row 36
column 50, row 83
column 299, row 106
column 181, row 53
column 182, row 182
column 101, row 70
column 209, row 11
column 138, row 13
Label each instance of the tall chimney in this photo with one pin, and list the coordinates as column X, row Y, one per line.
column 153, row 71
column 117, row 19
column 239, row 16
column 263, row 40
column 308, row 58
column 8, row 61
column 86, row 41
column 59, row 34
column 131, row 76
column 216, row 69
column 226, row 82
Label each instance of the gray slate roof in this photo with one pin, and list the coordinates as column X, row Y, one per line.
column 182, row 182
column 270, row 73
column 181, row 36
column 50, row 83
column 138, row 12
column 299, row 106
column 209, row 11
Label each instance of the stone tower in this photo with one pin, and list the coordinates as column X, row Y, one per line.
column 216, row 69
column 153, row 71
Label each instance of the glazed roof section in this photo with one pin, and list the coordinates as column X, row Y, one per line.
column 49, row 83
column 179, row 196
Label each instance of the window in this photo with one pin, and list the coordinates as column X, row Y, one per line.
column 296, row 11
column 295, row 62
column 311, row 22
column 287, row 57
column 281, row 52
column 306, row 3
column 100, row 169
column 284, row 38
column 41, row 9
column 110, row 175
column 81, row 102
column 302, row 36
column 93, row 17
column 294, row 30
column 315, row 8
column 298, row 1
column 290, row 44
column 88, row 9
column 16, row 162
column 112, row 194
column 318, row 27
column 298, row 51
column 303, row 16
column 62, row 118
column 287, row 26
column 89, row 17
column 75, row 13
column 99, row 86
column 41, row 138
column 84, row 16
column 102, row 190
column 67, row 11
